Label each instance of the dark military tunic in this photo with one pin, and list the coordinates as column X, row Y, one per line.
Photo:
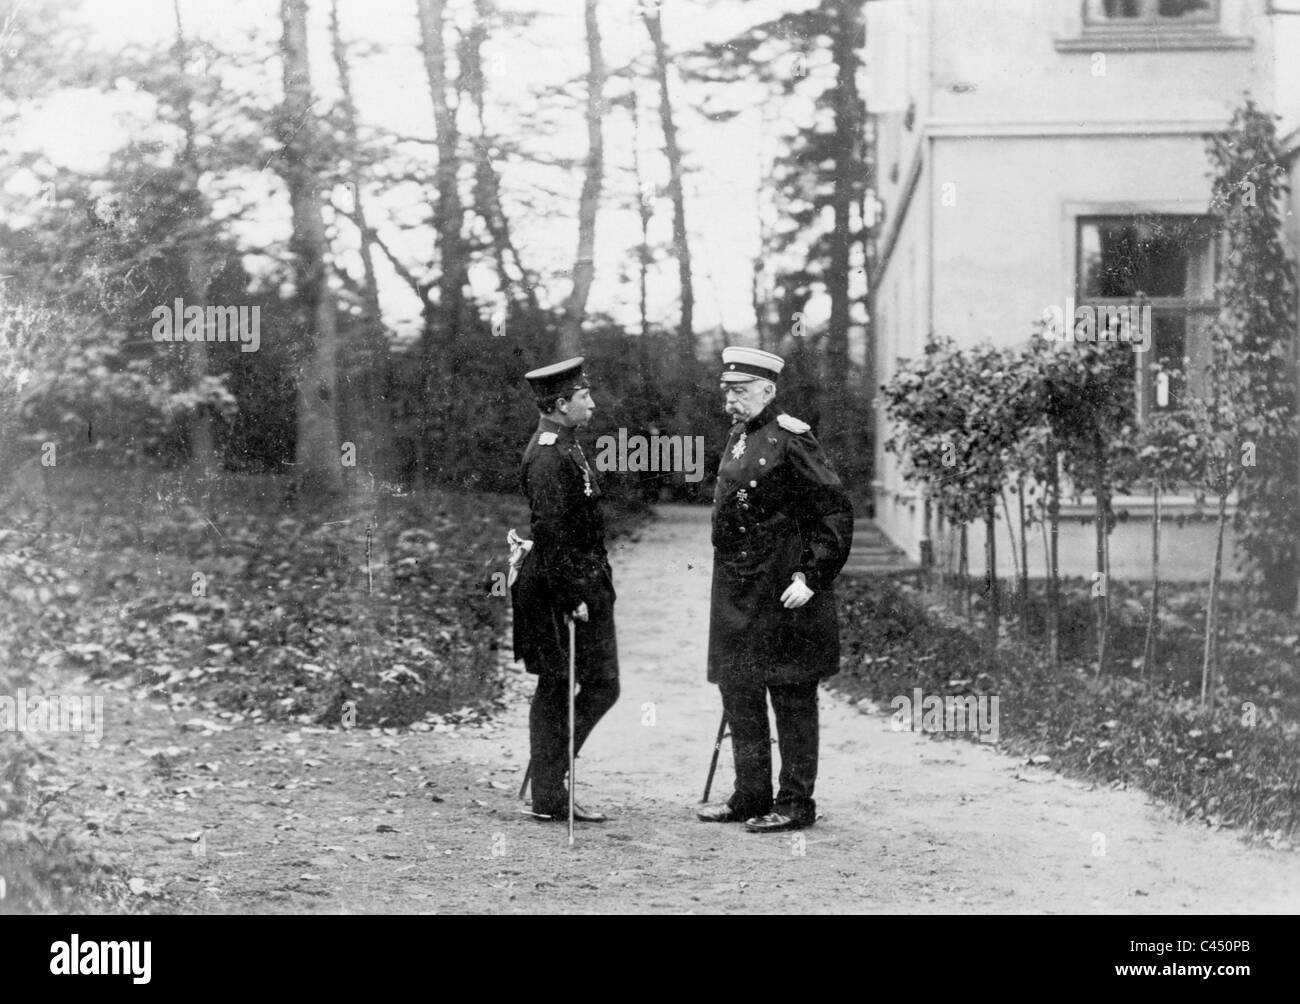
column 567, row 565
column 778, row 509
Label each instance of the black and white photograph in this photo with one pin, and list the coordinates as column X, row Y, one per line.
column 651, row 457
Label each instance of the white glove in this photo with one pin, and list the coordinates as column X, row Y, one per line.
column 797, row 593
column 581, row 613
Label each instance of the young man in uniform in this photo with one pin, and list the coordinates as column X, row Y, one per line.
column 565, row 574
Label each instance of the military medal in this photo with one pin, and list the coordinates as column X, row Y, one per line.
column 738, row 450
column 586, row 472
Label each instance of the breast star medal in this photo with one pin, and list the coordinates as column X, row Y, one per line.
column 738, row 450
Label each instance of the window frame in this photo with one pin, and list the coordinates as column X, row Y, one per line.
column 1202, row 309
column 1153, row 20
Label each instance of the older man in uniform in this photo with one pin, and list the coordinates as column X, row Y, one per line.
column 782, row 528
column 564, row 574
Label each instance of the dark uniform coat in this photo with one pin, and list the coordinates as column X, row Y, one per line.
column 778, row 509
column 567, row 564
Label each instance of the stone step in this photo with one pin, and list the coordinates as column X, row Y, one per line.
column 873, row 554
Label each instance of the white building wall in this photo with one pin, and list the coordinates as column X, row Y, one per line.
column 1031, row 129
column 1005, row 250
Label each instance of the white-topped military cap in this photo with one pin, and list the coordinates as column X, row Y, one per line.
column 741, row 364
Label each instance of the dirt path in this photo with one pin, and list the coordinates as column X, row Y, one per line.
column 310, row 820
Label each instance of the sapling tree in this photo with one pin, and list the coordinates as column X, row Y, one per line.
column 1212, row 436
column 1256, row 296
column 1088, row 399
column 957, row 415
column 1161, row 462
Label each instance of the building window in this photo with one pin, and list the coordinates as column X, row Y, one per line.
column 1154, row 13
column 1156, row 275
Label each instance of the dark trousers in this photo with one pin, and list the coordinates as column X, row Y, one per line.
column 548, row 732
column 795, row 705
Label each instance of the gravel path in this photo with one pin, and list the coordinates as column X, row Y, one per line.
column 273, row 818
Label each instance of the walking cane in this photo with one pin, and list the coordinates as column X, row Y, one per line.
column 713, row 764
column 528, row 773
column 572, row 687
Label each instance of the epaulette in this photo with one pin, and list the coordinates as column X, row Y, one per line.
column 791, row 424
column 547, row 439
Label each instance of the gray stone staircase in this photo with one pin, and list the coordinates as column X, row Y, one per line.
column 874, row 554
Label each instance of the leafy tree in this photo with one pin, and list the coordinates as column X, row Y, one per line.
column 1257, row 305
column 1088, row 402
column 808, row 61
column 956, row 418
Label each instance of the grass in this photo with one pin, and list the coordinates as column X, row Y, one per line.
column 1233, row 764
column 221, row 600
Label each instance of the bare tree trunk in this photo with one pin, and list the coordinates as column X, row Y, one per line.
column 319, row 470
column 1293, row 359
column 1153, row 621
column 487, row 183
column 1053, row 561
column 942, row 557
column 438, row 342
column 1210, row 666
column 1102, row 585
column 372, row 388
column 1024, row 563
column 584, row 266
column 1011, row 537
column 644, row 210
column 681, row 246
column 927, row 540
column 1047, row 566
column 963, row 566
column 375, row 383
column 198, row 269
column 1015, row 557
column 990, row 561
column 348, row 108
column 848, row 171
